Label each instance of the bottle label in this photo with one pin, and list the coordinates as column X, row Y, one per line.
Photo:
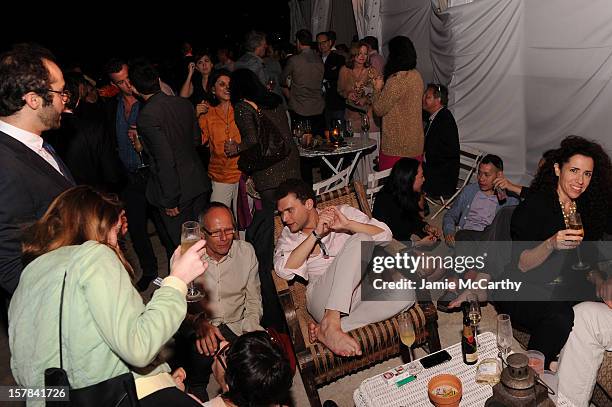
column 471, row 357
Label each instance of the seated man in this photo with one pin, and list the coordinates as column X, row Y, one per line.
column 324, row 247
column 476, row 206
column 233, row 299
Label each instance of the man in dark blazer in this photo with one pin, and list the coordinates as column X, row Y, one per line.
column 32, row 99
column 332, row 61
column 441, row 167
column 178, row 184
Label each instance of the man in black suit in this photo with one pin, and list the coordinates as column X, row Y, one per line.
column 178, row 185
column 334, row 103
column 441, row 167
column 32, row 99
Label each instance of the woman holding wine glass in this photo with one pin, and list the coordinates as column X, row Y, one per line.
column 576, row 180
column 356, row 85
column 73, row 258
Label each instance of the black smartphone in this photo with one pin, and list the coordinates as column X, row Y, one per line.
column 435, row 359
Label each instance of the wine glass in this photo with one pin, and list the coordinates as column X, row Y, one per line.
column 191, row 233
column 574, row 221
column 348, row 128
column 298, row 131
column 365, row 124
column 406, row 331
column 504, row 336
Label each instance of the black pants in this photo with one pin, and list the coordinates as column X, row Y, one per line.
column 198, row 366
column 138, row 210
column 170, row 396
column 188, row 211
column 549, row 324
column 261, row 235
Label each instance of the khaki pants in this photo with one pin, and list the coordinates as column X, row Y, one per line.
column 226, row 194
column 584, row 350
column 339, row 289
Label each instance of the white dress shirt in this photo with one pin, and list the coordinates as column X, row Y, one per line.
column 30, row 140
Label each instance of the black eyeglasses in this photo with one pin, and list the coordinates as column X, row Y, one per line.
column 218, row 233
column 63, row 94
column 221, row 354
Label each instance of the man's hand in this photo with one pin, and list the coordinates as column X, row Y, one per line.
column 172, row 212
column 207, row 337
column 326, row 221
column 432, row 230
column 341, row 222
column 427, row 241
column 450, row 240
column 504, row 183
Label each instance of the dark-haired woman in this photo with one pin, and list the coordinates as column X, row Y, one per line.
column 576, row 179
column 397, row 204
column 398, row 101
column 253, row 100
column 218, row 128
column 106, row 329
column 195, row 87
column 252, row 371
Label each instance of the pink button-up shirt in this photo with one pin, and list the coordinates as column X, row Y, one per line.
column 316, row 264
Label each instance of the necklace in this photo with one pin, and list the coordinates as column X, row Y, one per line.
column 572, row 210
column 226, row 120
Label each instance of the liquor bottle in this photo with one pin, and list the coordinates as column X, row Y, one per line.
column 469, row 349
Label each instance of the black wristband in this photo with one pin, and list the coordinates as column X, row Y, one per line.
column 316, row 236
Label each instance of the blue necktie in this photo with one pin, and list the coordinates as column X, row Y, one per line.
column 63, row 168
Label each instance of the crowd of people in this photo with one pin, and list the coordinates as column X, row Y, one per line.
column 82, row 168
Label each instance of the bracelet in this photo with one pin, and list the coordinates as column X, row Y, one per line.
column 316, row 236
column 549, row 244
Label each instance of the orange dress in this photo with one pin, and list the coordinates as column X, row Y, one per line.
column 218, row 126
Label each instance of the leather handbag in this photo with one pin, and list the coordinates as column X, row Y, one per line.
column 271, row 148
column 119, row 391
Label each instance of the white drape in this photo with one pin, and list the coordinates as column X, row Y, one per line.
column 298, row 22
column 368, row 19
column 321, row 16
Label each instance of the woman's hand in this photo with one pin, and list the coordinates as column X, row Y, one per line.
column 379, row 83
column 189, row 265
column 202, row 108
column 191, row 68
column 564, row 240
column 427, row 241
column 432, row 230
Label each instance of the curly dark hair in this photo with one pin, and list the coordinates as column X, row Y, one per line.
column 22, row 70
column 402, row 56
column 258, row 373
column 594, row 202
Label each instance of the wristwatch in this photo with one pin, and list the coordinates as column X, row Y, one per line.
column 316, row 236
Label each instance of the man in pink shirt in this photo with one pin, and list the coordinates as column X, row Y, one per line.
column 324, row 247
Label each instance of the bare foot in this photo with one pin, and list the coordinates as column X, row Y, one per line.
column 340, row 343
column 313, row 331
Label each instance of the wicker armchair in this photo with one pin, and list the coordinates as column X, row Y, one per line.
column 602, row 394
column 379, row 341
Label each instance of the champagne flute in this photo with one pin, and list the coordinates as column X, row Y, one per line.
column 137, row 143
column 191, row 233
column 504, row 336
column 406, row 332
column 348, row 128
column 574, row 222
column 365, row 124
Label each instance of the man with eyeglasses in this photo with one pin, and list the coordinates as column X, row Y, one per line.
column 233, row 297
column 32, row 99
column 332, row 61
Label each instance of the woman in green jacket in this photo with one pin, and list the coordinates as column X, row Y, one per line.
column 106, row 328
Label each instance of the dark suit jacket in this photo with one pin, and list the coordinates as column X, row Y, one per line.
column 28, row 184
column 441, row 166
column 170, row 133
column 333, row 63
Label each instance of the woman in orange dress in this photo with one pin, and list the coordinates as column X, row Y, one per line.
column 218, row 128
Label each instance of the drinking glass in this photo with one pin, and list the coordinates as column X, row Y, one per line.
column 191, row 233
column 574, row 222
column 504, row 336
column 406, row 332
column 230, row 146
column 298, row 131
column 348, row 129
column 365, row 124
column 474, row 314
column 137, row 143
column 271, row 83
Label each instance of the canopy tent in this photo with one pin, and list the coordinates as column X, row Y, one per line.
column 522, row 74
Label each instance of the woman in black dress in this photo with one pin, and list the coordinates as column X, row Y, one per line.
column 576, row 179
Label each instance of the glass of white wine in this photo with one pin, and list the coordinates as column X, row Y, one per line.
column 406, row 331
column 574, row 221
column 191, row 233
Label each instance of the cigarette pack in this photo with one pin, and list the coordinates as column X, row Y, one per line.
column 397, row 375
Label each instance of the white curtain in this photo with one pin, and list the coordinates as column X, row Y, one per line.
column 298, row 21
column 368, row 19
column 321, row 16
column 522, row 74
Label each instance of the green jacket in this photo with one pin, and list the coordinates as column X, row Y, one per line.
column 106, row 328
